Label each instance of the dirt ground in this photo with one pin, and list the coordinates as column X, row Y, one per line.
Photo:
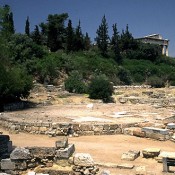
column 103, row 149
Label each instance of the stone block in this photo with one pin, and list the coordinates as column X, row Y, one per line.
column 138, row 132
column 171, row 126
column 7, row 164
column 83, row 159
column 151, row 152
column 87, row 133
column 42, row 152
column 169, row 120
column 156, row 130
column 86, row 127
column 130, row 155
column 65, row 153
column 157, row 136
column 114, row 126
column 125, row 166
column 20, row 154
column 98, row 128
column 62, row 142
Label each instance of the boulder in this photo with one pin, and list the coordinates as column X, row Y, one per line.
column 151, row 152
column 83, row 159
column 20, row 154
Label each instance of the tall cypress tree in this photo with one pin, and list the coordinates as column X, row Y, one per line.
column 11, row 23
column 78, row 43
column 27, row 27
column 102, row 38
column 36, row 35
column 87, row 42
column 70, row 37
column 115, row 44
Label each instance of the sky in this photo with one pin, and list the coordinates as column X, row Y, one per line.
column 144, row 17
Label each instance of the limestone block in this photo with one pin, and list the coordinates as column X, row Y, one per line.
column 125, row 166
column 42, row 152
column 114, row 126
column 86, row 127
column 87, row 133
column 128, row 131
column 98, row 128
column 7, row 164
column 169, row 120
column 151, row 152
column 83, row 159
column 20, row 154
column 130, row 155
column 171, row 126
column 138, row 132
column 156, row 130
column 157, row 136
column 62, row 142
column 43, row 129
column 65, row 153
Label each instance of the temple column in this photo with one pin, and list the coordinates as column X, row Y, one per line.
column 163, row 50
column 166, row 50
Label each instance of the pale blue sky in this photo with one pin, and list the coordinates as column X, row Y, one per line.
column 143, row 16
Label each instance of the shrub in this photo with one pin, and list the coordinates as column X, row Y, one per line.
column 101, row 88
column 156, row 82
column 75, row 83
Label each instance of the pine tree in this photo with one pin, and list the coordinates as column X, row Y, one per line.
column 11, row 24
column 127, row 40
column 70, row 37
column 36, row 35
column 87, row 42
column 115, row 44
column 78, row 43
column 102, row 38
column 27, row 27
column 56, row 31
column 6, row 21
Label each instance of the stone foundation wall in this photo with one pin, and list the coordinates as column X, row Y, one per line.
column 61, row 129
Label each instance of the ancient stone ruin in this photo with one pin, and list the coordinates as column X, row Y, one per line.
column 58, row 160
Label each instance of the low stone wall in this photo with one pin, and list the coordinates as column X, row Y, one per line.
column 61, row 129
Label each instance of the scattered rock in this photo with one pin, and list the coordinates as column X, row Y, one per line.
column 130, row 155
column 83, row 159
column 151, row 152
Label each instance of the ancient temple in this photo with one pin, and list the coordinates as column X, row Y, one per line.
column 156, row 39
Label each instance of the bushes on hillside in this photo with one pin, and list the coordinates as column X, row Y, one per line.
column 156, row 82
column 75, row 83
column 100, row 88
